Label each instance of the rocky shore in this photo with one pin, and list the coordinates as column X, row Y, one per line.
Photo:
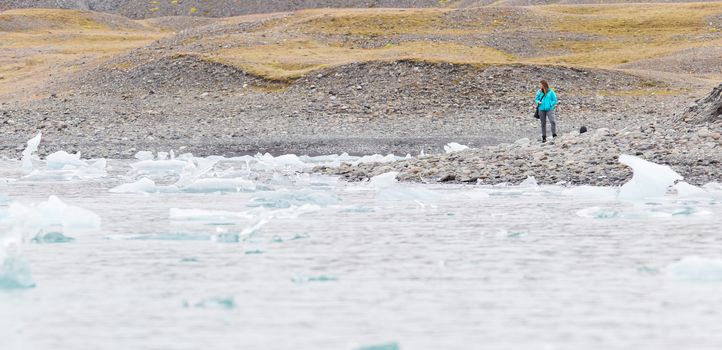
column 691, row 145
column 363, row 108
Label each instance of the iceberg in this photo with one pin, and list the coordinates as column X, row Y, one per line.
column 696, row 269
column 650, row 180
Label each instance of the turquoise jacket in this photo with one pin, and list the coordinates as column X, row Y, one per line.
column 548, row 102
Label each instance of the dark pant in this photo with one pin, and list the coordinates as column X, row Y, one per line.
column 543, row 115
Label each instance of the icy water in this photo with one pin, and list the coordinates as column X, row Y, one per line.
column 250, row 253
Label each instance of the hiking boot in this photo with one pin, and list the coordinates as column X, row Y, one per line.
column 554, row 136
column 544, row 139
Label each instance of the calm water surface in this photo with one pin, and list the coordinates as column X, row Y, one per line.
column 310, row 262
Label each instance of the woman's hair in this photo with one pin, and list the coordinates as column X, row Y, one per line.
column 545, row 85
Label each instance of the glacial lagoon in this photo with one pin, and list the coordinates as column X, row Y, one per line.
column 174, row 251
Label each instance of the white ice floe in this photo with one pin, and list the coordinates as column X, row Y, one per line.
column 649, row 180
column 59, row 166
column 144, row 185
column 529, row 182
column 213, row 185
column 144, row 155
column 53, row 213
column 655, row 181
column 384, row 180
column 454, row 147
column 28, row 154
column 642, row 212
column 284, row 198
column 696, row 269
column 51, row 221
column 14, row 270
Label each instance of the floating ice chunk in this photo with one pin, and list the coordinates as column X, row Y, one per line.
column 649, row 179
column 29, row 152
column 684, row 189
column 144, row 185
column 52, row 237
column 376, row 158
column 641, row 212
column 59, row 159
column 696, row 269
column 385, row 179
column 287, row 199
column 454, row 147
column 195, row 169
column 14, row 271
column 307, row 279
column 387, row 346
column 55, row 212
column 210, row 185
column 144, row 155
column 223, row 303
column 168, row 236
column 530, row 181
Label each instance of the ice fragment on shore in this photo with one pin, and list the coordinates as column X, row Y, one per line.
column 696, row 269
column 29, row 152
column 454, row 147
column 648, row 180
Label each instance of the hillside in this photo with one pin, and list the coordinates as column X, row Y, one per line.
column 139, row 9
column 359, row 80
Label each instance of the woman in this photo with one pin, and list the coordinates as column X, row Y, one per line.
column 545, row 101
